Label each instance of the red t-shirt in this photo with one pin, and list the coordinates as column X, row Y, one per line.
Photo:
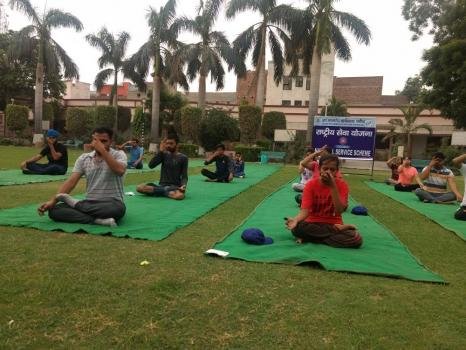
column 317, row 199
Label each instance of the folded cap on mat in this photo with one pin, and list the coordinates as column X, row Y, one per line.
column 255, row 236
column 359, row 210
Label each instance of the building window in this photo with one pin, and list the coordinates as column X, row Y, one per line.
column 286, row 83
column 308, row 83
column 286, row 103
column 298, row 103
column 299, row 82
column 306, row 103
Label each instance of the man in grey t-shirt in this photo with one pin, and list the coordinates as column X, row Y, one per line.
column 174, row 172
column 104, row 169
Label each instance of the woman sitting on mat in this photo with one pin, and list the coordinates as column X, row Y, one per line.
column 406, row 174
column 324, row 199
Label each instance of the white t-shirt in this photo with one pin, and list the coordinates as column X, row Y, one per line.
column 463, row 171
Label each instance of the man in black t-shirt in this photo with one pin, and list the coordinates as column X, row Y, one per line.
column 174, row 172
column 223, row 166
column 57, row 156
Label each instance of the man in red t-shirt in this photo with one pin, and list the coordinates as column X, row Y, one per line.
column 406, row 175
column 324, row 199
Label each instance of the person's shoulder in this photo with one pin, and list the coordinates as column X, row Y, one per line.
column 182, row 156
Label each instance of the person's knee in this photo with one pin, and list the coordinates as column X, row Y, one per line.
column 146, row 189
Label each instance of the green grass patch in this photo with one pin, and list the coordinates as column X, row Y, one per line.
column 81, row 291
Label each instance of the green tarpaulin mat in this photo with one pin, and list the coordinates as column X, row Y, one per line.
column 442, row 214
column 381, row 253
column 152, row 218
column 16, row 177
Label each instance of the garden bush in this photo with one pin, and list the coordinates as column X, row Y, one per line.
column 105, row 116
column 79, row 122
column 265, row 144
column 141, row 121
column 16, row 118
column 217, row 126
column 188, row 149
column 190, row 123
column 249, row 122
column 271, row 122
column 249, row 153
column 124, row 118
column 47, row 112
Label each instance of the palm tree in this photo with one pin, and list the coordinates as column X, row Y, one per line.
column 113, row 53
column 51, row 57
column 407, row 126
column 335, row 108
column 205, row 57
column 274, row 20
column 158, row 53
column 318, row 32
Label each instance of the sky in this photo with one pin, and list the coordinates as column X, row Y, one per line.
column 391, row 53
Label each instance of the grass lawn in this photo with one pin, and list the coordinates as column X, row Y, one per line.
column 82, row 291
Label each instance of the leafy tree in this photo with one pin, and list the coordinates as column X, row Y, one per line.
column 407, row 126
column 413, row 89
column 79, row 122
column 16, row 118
column 141, row 123
column 335, row 108
column 105, row 116
column 271, row 28
column 159, row 52
column 249, row 123
column 113, row 53
column 317, row 31
column 423, row 14
column 272, row 121
column 205, row 57
column 36, row 40
column 124, row 118
column 217, row 126
column 190, row 123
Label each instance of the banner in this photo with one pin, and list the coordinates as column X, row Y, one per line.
column 349, row 137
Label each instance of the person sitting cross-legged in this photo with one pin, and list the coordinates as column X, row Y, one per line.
column 406, row 174
column 57, row 156
column 459, row 161
column 238, row 166
column 174, row 172
column 104, row 169
column 436, row 176
column 136, row 153
column 223, row 166
column 393, row 163
column 325, row 198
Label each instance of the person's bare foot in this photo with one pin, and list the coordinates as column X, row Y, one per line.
column 106, row 222
column 299, row 240
column 344, row 227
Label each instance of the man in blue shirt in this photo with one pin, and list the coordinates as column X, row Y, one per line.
column 136, row 153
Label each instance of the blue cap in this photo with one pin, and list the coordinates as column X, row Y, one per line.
column 52, row 133
column 255, row 236
column 359, row 210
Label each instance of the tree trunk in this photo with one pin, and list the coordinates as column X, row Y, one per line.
column 115, row 98
column 38, row 98
column 408, row 145
column 202, row 92
column 154, row 130
column 260, row 69
column 313, row 93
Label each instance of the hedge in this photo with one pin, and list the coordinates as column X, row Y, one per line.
column 272, row 121
column 47, row 112
column 190, row 123
column 124, row 118
column 188, row 149
column 249, row 123
column 105, row 116
column 79, row 122
column 249, row 154
column 16, row 118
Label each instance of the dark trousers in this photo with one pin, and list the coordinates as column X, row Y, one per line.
column 406, row 188
column 327, row 234
column 461, row 214
column 86, row 211
column 46, row 169
column 215, row 176
column 132, row 166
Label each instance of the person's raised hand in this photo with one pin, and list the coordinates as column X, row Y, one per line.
column 162, row 145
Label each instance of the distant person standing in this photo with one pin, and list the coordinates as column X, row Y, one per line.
column 223, row 166
column 136, row 153
column 57, row 156
column 459, row 162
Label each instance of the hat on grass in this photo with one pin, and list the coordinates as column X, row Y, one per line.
column 255, row 236
column 359, row 210
column 52, row 133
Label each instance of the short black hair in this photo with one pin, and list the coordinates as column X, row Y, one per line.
column 220, row 145
column 173, row 137
column 329, row 157
column 439, row 155
column 103, row 130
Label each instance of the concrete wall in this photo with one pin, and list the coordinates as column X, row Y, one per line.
column 77, row 90
column 275, row 93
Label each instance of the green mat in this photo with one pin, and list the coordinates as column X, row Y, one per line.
column 381, row 254
column 442, row 214
column 16, row 177
column 151, row 218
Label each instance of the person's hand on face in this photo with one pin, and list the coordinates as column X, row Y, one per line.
column 162, row 145
column 97, row 145
column 434, row 162
column 50, row 140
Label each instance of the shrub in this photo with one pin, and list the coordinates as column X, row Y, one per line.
column 249, row 153
column 271, row 122
column 190, row 123
column 141, row 121
column 217, row 126
column 296, row 149
column 16, row 118
column 188, row 149
column 79, row 122
column 105, row 116
column 451, row 152
column 265, row 144
column 177, row 122
column 47, row 112
column 249, row 122
column 124, row 118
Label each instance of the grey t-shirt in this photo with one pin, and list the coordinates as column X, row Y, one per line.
column 102, row 182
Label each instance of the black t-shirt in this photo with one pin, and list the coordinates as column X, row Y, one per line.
column 60, row 148
column 223, row 164
column 174, row 168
